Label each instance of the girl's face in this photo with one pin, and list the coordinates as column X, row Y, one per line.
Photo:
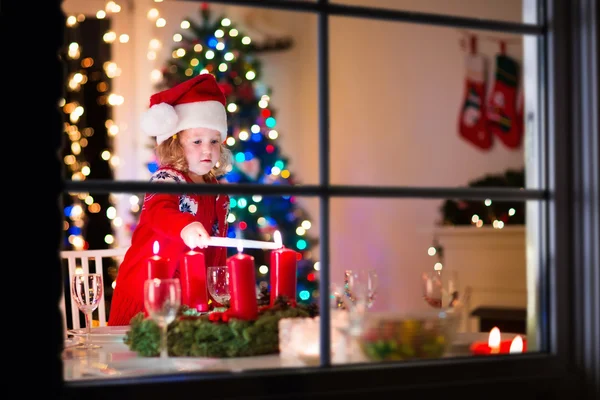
column 202, row 149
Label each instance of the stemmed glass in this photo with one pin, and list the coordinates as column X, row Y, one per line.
column 218, row 284
column 162, row 299
column 440, row 288
column 365, row 280
column 86, row 291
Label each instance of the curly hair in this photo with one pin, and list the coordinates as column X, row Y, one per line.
column 170, row 153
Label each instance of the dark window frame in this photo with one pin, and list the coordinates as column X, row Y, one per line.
column 570, row 262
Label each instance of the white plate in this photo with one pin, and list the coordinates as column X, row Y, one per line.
column 102, row 334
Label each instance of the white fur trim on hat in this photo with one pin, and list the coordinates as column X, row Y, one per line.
column 160, row 119
column 203, row 114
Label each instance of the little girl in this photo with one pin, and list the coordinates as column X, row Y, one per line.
column 190, row 125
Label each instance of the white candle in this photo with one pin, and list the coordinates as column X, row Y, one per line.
column 245, row 243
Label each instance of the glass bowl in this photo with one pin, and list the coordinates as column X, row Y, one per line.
column 394, row 336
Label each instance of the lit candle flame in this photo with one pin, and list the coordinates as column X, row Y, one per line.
column 494, row 339
column 240, row 247
column 277, row 238
column 311, row 350
column 155, row 247
column 516, row 345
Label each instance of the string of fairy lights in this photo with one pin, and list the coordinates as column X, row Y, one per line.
column 436, row 249
column 78, row 134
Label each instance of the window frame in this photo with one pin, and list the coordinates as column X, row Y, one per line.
column 567, row 168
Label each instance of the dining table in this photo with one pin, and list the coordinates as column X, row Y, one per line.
column 114, row 359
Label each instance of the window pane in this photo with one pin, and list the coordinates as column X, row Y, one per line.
column 426, row 253
column 157, row 249
column 425, row 110
column 268, row 76
column 510, row 11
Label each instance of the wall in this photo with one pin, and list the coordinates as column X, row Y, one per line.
column 396, row 89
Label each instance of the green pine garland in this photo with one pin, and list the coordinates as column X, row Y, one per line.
column 193, row 335
column 460, row 212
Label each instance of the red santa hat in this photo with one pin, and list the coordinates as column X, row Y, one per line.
column 195, row 103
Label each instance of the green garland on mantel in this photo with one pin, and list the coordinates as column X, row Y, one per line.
column 214, row 334
column 510, row 212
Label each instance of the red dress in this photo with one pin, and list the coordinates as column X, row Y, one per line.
column 161, row 219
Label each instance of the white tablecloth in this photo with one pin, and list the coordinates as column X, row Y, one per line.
column 114, row 359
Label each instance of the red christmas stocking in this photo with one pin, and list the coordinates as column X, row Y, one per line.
column 471, row 120
column 502, row 103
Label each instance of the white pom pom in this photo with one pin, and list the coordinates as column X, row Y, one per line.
column 160, row 119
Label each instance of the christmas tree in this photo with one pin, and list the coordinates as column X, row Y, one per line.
column 216, row 46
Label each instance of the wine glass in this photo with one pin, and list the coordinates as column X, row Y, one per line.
column 162, row 299
column 361, row 282
column 86, row 290
column 440, row 288
column 355, row 302
column 218, row 284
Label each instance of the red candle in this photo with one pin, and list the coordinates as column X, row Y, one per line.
column 194, row 293
column 242, row 287
column 283, row 274
column 481, row 348
column 494, row 345
column 158, row 267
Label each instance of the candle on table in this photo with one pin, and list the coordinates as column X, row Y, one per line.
column 494, row 340
column 312, row 350
column 516, row 346
column 283, row 271
column 495, row 345
column 158, row 267
column 242, row 286
column 194, row 292
column 310, row 354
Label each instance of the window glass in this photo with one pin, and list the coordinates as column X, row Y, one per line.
column 426, row 106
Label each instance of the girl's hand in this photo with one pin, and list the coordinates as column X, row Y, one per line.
column 194, row 235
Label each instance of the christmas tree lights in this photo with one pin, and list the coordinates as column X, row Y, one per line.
column 87, row 151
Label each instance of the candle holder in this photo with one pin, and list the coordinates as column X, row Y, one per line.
column 299, row 339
